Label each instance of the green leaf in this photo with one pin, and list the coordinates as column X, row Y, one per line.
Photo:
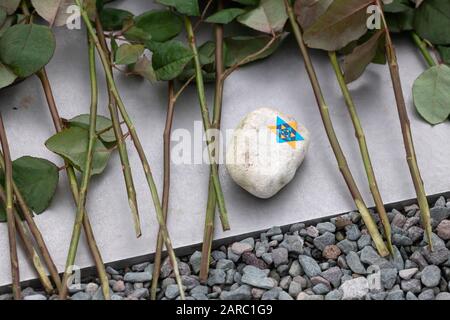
column 103, row 123
column 206, row 52
column 432, row 21
column 3, row 16
column 187, row 7
column 269, row 17
column 6, row 76
column 26, row 48
column 53, row 11
column 397, row 6
column 6, row 24
column 342, row 23
column 10, row 5
column 136, row 34
column 402, row 21
column 445, row 54
column 237, row 48
column 225, row 16
column 128, row 53
column 72, row 144
column 114, row 19
column 169, row 59
column 161, row 26
column 356, row 62
column 432, row 95
column 144, row 69
column 308, row 11
column 37, row 180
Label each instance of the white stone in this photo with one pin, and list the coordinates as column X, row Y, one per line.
column 257, row 161
column 355, row 289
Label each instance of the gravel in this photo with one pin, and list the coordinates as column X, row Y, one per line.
column 332, row 260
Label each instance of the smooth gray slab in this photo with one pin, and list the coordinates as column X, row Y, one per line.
column 281, row 82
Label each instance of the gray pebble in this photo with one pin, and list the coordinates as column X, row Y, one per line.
column 138, row 277
column 334, row 295
column 354, row 263
column 283, row 295
column 225, row 264
column 412, row 285
column 427, row 294
column 411, row 296
column 324, row 240
column 241, row 293
column 195, row 261
column 216, row 276
column 346, row 246
column 431, row 276
column 35, row 297
column 309, row 266
column 257, row 278
column 293, row 244
column 321, row 289
column 395, row 295
column 280, row 256
column 326, row 227
column 352, row 232
column 273, row 231
column 295, row 269
column 388, row 277
column 443, row 296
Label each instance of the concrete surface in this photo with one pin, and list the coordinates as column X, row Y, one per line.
column 281, row 82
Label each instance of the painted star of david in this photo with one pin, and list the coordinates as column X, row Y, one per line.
column 286, row 132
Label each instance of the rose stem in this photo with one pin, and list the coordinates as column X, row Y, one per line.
column 138, row 146
column 28, row 215
column 166, row 186
column 207, row 124
column 423, row 49
column 359, row 132
column 217, row 113
column 172, row 99
column 86, row 175
column 73, row 182
column 28, row 243
column 127, row 174
column 406, row 130
column 334, row 142
column 15, row 276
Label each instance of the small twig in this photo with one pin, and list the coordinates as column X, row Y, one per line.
column 203, row 14
column 182, row 88
column 423, row 49
column 10, row 214
column 248, row 58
